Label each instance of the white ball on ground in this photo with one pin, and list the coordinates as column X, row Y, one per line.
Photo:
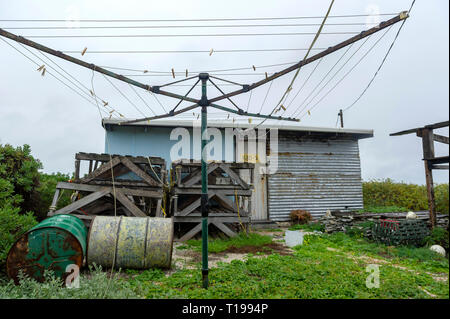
column 411, row 215
column 438, row 249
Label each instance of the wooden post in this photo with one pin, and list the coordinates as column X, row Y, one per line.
column 54, row 201
column 77, row 170
column 428, row 153
column 341, row 115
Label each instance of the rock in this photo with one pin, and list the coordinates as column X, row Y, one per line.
column 438, row 249
column 411, row 215
column 293, row 238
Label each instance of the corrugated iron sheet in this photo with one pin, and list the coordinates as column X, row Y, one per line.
column 315, row 175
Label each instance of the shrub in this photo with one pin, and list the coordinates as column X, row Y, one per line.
column 438, row 236
column 384, row 193
column 20, row 169
column 382, row 209
column 12, row 226
column 98, row 286
column 441, row 197
column 300, row 216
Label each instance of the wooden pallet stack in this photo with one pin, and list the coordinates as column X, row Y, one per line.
column 114, row 184
column 229, row 195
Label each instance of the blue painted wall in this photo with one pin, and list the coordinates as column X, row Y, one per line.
column 154, row 141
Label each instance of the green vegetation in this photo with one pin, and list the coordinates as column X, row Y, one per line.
column 47, row 187
column 325, row 266
column 95, row 285
column 383, row 209
column 403, row 196
column 25, row 194
column 12, row 224
column 442, row 199
column 18, row 181
column 438, row 236
column 310, row 272
column 360, row 230
column 315, row 226
column 19, row 170
column 242, row 240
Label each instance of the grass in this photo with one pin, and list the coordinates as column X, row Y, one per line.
column 221, row 245
column 325, row 266
column 418, row 258
column 310, row 272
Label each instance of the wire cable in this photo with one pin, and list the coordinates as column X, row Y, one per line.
column 123, row 95
column 62, row 75
column 299, row 109
column 203, row 71
column 265, row 98
column 183, row 35
column 249, row 100
column 186, row 51
column 382, row 63
column 142, row 99
column 51, row 74
column 184, row 26
column 159, row 102
column 90, row 95
column 306, row 55
column 195, row 20
column 304, row 83
column 348, row 72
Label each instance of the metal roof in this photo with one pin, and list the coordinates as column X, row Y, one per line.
column 358, row 133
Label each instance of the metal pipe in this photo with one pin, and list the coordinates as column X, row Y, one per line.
column 204, row 197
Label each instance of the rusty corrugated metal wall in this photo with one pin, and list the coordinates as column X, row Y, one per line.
column 315, row 174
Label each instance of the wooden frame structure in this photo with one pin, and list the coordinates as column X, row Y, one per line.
column 228, row 195
column 132, row 186
column 430, row 160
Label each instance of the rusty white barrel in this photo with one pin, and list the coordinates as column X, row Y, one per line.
column 130, row 242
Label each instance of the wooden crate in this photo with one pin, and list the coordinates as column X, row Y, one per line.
column 114, row 184
column 228, row 194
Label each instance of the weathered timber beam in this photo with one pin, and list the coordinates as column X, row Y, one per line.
column 83, row 202
column 438, row 160
column 436, row 137
column 107, row 158
column 227, row 192
column 123, row 199
column 440, row 167
column 95, row 188
column 414, row 130
column 139, row 172
column 222, row 219
column 225, row 229
column 102, row 169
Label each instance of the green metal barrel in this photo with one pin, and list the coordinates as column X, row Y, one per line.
column 130, row 242
column 53, row 244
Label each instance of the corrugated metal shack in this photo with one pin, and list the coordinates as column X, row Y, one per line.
column 316, row 168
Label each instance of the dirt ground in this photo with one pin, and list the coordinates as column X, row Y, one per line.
column 187, row 258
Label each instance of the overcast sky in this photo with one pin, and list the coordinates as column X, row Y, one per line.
column 410, row 91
